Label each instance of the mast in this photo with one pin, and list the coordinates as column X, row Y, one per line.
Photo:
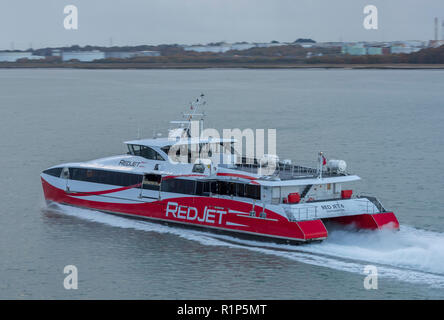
column 194, row 107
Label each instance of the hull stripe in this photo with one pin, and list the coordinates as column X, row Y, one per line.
column 96, row 193
column 242, row 176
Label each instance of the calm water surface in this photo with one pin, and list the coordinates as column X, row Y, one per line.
column 387, row 125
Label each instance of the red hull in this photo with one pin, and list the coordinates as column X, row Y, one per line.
column 222, row 215
column 205, row 212
column 369, row 221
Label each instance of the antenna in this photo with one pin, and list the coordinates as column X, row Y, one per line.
column 185, row 124
column 194, row 106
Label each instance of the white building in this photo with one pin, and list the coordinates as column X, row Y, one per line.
column 119, row 54
column 147, row 53
column 354, row 49
column 374, row 51
column 415, row 43
column 214, row 49
column 56, row 52
column 403, row 49
column 131, row 54
column 328, row 44
column 271, row 44
column 84, row 56
column 13, row 56
column 242, row 46
column 305, row 44
column 224, row 47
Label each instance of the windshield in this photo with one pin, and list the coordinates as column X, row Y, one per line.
column 144, row 151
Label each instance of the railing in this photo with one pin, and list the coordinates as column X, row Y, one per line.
column 296, row 171
column 374, row 201
column 366, row 206
column 369, row 205
column 284, row 170
column 305, row 213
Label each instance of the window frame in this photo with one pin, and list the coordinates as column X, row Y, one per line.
column 132, row 151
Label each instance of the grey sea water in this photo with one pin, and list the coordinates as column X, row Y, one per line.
column 387, row 125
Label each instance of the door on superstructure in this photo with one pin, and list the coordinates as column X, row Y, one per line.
column 150, row 193
column 150, row 187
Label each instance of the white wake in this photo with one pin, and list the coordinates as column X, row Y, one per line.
column 412, row 255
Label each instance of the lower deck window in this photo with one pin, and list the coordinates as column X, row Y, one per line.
column 105, row 177
column 179, row 186
column 227, row 188
column 253, row 191
column 154, row 182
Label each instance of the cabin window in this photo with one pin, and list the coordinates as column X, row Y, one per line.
column 166, row 149
column 223, row 188
column 202, row 188
column 89, row 174
column 198, row 168
column 228, row 188
column 55, row 172
column 179, row 186
column 105, row 177
column 240, row 189
column 253, row 191
column 144, row 151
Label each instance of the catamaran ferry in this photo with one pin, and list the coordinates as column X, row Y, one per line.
column 223, row 192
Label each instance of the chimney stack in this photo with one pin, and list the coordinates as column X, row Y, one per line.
column 436, row 28
column 442, row 30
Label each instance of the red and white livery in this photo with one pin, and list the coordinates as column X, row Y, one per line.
column 222, row 193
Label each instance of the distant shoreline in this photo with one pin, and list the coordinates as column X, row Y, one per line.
column 143, row 66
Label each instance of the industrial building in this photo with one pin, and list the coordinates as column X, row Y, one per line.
column 84, row 56
column 147, row 53
column 89, row 56
column 210, row 48
column 356, row 49
column 13, row 56
column 375, row 51
column 119, row 55
column 403, row 49
column 380, row 48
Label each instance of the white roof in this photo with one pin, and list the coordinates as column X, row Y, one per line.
column 298, row 182
column 163, row 142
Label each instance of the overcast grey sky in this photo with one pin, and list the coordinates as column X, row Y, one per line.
column 130, row 22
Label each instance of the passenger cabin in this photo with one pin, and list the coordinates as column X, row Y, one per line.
column 186, row 150
column 197, row 174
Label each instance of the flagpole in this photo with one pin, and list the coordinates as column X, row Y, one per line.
column 321, row 163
